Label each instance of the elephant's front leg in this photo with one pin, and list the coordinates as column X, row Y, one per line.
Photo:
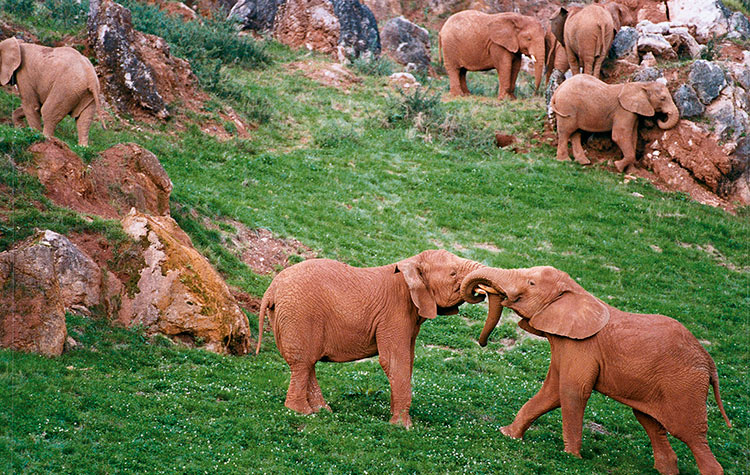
column 503, row 61
column 625, row 135
column 545, row 400
column 395, row 358
column 575, row 390
column 514, row 69
column 454, row 78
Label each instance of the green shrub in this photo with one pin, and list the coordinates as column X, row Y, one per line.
column 380, row 66
column 19, row 8
column 66, row 14
column 420, row 105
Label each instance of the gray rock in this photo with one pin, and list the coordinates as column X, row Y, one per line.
column 406, row 42
column 707, row 79
column 624, row 43
column 656, row 44
column 739, row 23
column 127, row 77
column 256, row 15
column 359, row 30
column 687, row 102
column 743, row 78
column 729, row 120
column 647, row 74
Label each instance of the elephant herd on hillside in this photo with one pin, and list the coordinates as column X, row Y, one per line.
column 323, row 310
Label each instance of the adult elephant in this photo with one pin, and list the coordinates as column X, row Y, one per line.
column 324, row 310
column 583, row 102
column 52, row 82
column 652, row 363
column 587, row 34
column 476, row 41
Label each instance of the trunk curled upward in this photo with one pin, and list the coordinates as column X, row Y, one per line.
column 468, row 287
column 673, row 116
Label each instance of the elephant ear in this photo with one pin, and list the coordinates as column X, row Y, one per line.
column 633, row 98
column 557, row 25
column 523, row 323
column 574, row 314
column 10, row 52
column 420, row 294
column 503, row 33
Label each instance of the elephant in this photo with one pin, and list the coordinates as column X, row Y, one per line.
column 587, row 33
column 474, row 41
column 325, row 310
column 52, row 82
column 651, row 363
column 556, row 58
column 583, row 102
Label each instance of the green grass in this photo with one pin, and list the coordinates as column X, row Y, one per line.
column 336, row 171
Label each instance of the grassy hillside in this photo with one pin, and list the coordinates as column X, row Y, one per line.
column 369, row 176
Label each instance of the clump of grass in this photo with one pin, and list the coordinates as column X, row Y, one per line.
column 380, row 66
column 53, row 18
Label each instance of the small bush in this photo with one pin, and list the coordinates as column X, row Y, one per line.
column 380, row 66
column 19, row 8
column 420, row 105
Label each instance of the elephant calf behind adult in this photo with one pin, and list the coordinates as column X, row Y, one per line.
column 52, row 82
column 652, row 363
column 583, row 102
column 324, row 310
column 476, row 41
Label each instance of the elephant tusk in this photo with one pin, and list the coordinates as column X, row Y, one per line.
column 533, row 58
column 484, row 289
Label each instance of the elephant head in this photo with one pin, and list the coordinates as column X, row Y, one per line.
column 521, row 33
column 648, row 98
column 434, row 279
column 10, row 59
column 547, row 300
column 557, row 24
column 621, row 15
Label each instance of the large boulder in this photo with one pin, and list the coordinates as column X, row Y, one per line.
column 346, row 29
column 123, row 177
column 710, row 17
column 707, row 78
column 140, row 75
column 624, row 44
column 384, row 9
column 687, row 102
column 178, row 293
column 406, row 43
column 32, row 313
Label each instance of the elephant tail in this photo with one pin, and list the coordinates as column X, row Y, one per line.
column 714, row 379
column 95, row 89
column 266, row 303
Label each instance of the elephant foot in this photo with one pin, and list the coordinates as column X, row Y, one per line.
column 302, row 407
column 402, row 419
column 574, row 453
column 318, row 407
column 562, row 158
column 508, row 431
column 622, row 165
column 583, row 160
column 666, row 465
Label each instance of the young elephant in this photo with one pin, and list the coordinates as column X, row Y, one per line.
column 52, row 82
column 583, row 102
column 324, row 310
column 650, row 362
column 474, row 41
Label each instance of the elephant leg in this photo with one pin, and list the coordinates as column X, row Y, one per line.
column 565, row 128
column 575, row 67
column 296, row 396
column 574, row 394
column 578, row 151
column 598, row 61
column 454, row 77
column 462, row 81
column 665, row 460
column 622, row 135
column 83, row 124
column 515, row 67
column 18, row 116
column 32, row 114
column 55, row 108
column 396, row 362
column 315, row 395
column 547, row 399
column 503, row 61
column 698, row 444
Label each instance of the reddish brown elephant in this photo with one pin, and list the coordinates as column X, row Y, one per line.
column 324, row 310
column 474, row 41
column 652, row 363
column 53, row 83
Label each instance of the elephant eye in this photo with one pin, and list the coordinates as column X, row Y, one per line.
column 453, row 273
column 531, row 282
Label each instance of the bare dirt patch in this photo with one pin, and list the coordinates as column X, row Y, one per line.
column 327, row 74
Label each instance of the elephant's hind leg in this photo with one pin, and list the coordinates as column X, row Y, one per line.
column 315, row 395
column 578, row 151
column 462, row 81
column 454, row 78
column 564, row 131
column 83, row 124
column 55, row 108
column 296, row 396
column 665, row 460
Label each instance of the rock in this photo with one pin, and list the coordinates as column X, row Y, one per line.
column 618, row 70
column 32, row 314
column 655, row 44
column 624, row 45
column 683, row 43
column 175, row 9
column 729, row 113
column 710, row 17
column 707, row 79
column 78, row 276
column 124, row 176
column 178, row 293
column 384, row 9
column 646, row 27
column 740, row 24
column 406, row 43
column 256, row 15
column 742, row 76
column 405, row 81
column 128, row 79
column 359, row 30
column 647, row 74
column 687, row 102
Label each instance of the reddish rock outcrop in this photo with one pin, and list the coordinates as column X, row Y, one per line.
column 309, row 24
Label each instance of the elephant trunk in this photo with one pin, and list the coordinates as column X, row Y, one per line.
column 673, row 116
column 538, row 51
column 499, row 280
